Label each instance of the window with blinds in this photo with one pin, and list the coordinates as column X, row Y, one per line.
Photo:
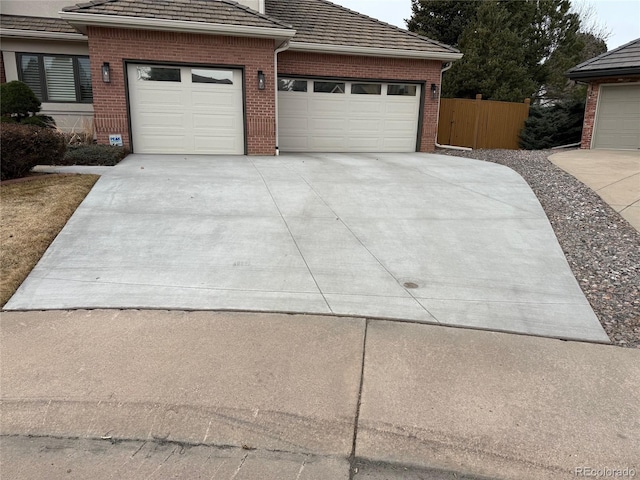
column 57, row 78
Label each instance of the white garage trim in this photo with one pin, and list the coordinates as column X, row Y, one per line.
column 189, row 109
column 612, row 128
column 356, row 116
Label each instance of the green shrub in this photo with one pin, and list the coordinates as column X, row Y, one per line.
column 18, row 100
column 105, row 155
column 553, row 126
column 39, row 121
column 4, row 119
column 25, row 146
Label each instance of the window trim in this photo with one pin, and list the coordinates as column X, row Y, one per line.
column 42, row 74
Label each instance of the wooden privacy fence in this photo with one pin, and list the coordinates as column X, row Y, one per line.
column 481, row 123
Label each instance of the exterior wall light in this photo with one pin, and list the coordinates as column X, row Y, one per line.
column 106, row 72
column 262, row 81
column 434, row 91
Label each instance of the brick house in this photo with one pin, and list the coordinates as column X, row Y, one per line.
column 216, row 76
column 612, row 114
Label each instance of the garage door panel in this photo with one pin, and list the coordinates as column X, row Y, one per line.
column 204, row 143
column 293, row 105
column 156, row 120
column 392, row 125
column 294, row 124
column 617, row 123
column 166, row 143
column 328, row 124
column 358, row 126
column 320, row 142
column 186, row 116
column 361, row 107
column 213, row 123
column 328, row 106
column 295, row 143
column 363, row 144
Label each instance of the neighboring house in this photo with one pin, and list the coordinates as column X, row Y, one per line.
column 216, row 76
column 612, row 115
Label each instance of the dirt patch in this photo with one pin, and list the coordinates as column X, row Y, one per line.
column 32, row 214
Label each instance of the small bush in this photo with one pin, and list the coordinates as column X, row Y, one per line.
column 39, row 121
column 553, row 126
column 18, row 100
column 104, row 155
column 25, row 146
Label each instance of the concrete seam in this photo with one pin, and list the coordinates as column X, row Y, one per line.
column 352, row 457
column 365, row 247
column 291, row 235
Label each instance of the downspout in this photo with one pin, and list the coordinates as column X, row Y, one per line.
column 283, row 46
column 448, row 147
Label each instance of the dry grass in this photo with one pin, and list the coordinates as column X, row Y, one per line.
column 32, row 214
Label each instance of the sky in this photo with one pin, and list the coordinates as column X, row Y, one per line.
column 620, row 17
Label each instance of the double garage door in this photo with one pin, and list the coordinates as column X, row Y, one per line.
column 195, row 110
column 346, row 116
column 618, row 117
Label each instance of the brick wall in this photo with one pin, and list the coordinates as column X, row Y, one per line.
column 114, row 45
column 592, row 101
column 427, row 71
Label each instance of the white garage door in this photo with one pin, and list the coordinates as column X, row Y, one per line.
column 186, row 110
column 618, row 118
column 345, row 116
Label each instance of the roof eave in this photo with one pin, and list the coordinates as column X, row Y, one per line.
column 36, row 34
column 82, row 20
column 604, row 72
column 373, row 51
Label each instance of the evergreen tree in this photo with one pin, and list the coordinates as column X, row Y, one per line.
column 505, row 42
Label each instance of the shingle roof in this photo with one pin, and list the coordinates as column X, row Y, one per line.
column 323, row 22
column 224, row 12
column 37, row 24
column 624, row 60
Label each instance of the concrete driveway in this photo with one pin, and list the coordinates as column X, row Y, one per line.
column 612, row 174
column 414, row 237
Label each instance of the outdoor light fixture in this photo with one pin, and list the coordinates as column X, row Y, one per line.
column 262, row 81
column 434, row 91
column 106, row 72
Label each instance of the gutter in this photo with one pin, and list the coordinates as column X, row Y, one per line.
column 81, row 20
column 447, row 147
column 373, row 51
column 283, row 46
column 74, row 37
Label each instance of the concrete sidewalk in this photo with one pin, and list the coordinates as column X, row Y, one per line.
column 612, row 174
column 267, row 396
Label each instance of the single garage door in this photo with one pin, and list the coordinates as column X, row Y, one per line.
column 618, row 117
column 186, row 109
column 346, row 116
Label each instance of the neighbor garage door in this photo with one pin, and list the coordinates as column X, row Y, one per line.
column 186, row 110
column 346, row 116
column 618, row 117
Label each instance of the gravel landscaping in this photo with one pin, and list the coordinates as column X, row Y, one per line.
column 602, row 249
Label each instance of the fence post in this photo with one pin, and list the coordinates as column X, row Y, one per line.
column 477, row 122
column 527, row 102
